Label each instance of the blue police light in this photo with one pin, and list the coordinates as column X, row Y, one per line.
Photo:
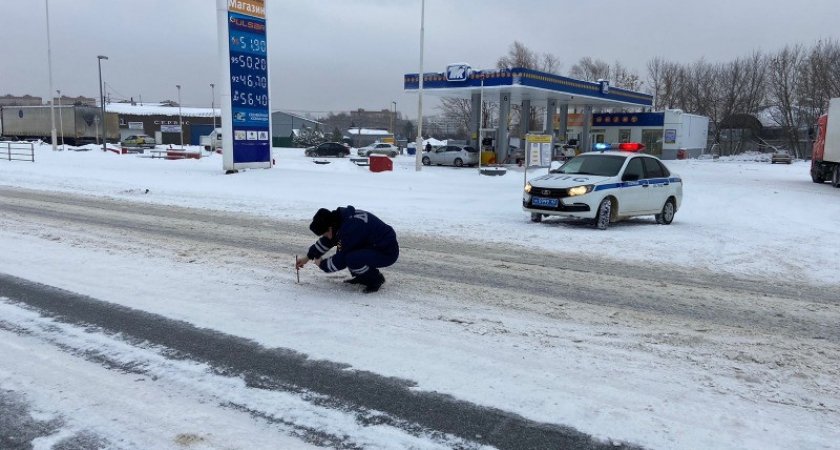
column 602, row 146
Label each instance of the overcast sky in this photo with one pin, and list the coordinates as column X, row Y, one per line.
column 346, row 54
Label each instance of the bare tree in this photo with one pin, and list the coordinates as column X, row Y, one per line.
column 518, row 56
column 550, row 63
column 785, row 81
column 696, row 88
column 458, row 110
column 590, row 69
column 755, row 88
column 623, row 77
column 738, row 87
column 825, row 59
column 663, row 80
column 822, row 75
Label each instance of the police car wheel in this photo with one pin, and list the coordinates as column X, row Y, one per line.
column 458, row 162
column 426, row 161
column 535, row 217
column 667, row 214
column 602, row 220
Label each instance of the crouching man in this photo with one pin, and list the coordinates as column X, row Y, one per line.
column 363, row 242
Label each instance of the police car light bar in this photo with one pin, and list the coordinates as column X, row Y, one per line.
column 624, row 146
column 631, row 146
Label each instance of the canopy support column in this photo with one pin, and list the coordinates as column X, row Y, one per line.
column 475, row 117
column 585, row 141
column 503, row 135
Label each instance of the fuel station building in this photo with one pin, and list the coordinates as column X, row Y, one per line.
column 569, row 104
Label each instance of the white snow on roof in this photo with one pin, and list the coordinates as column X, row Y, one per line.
column 368, row 131
column 296, row 116
column 157, row 109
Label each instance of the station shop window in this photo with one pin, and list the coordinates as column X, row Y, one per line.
column 653, row 141
column 624, row 135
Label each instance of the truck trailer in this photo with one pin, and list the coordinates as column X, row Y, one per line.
column 825, row 157
column 80, row 124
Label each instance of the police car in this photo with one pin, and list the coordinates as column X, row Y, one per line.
column 614, row 182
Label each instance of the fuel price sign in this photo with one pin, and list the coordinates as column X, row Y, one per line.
column 249, row 85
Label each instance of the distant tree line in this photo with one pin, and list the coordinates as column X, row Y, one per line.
column 792, row 86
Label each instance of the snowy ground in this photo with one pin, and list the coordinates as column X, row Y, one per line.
column 743, row 217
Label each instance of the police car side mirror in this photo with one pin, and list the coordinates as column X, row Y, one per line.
column 554, row 166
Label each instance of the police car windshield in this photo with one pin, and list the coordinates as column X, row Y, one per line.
column 601, row 165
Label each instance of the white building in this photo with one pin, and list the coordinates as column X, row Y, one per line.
column 669, row 134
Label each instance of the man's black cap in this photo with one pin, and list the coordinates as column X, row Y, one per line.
column 322, row 221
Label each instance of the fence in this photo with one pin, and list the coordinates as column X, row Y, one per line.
column 17, row 151
column 734, row 147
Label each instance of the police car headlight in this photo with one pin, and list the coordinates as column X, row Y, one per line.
column 528, row 188
column 580, row 190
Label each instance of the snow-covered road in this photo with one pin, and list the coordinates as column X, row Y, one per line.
column 625, row 353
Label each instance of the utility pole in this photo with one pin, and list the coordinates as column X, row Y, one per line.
column 213, row 111
column 418, row 152
column 180, row 116
column 60, row 119
column 102, row 100
column 49, row 64
column 213, row 103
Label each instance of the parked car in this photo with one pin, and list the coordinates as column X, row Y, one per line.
column 451, row 155
column 605, row 186
column 781, row 156
column 212, row 141
column 336, row 149
column 379, row 148
column 516, row 154
column 139, row 140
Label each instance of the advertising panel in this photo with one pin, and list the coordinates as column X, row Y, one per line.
column 245, row 102
column 539, row 149
column 170, row 128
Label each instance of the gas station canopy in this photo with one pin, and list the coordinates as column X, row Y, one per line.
column 526, row 87
column 459, row 81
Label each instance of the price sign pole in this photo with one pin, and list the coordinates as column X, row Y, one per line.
column 246, row 108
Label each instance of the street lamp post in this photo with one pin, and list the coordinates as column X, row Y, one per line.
column 180, row 116
column 213, row 111
column 99, row 59
column 60, row 119
column 394, row 119
column 418, row 151
column 49, row 68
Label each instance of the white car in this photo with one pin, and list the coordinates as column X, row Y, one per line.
column 379, row 148
column 606, row 186
column 451, row 155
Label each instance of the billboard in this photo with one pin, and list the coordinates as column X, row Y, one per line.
column 246, row 112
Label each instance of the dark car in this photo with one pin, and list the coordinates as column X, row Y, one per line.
column 328, row 149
